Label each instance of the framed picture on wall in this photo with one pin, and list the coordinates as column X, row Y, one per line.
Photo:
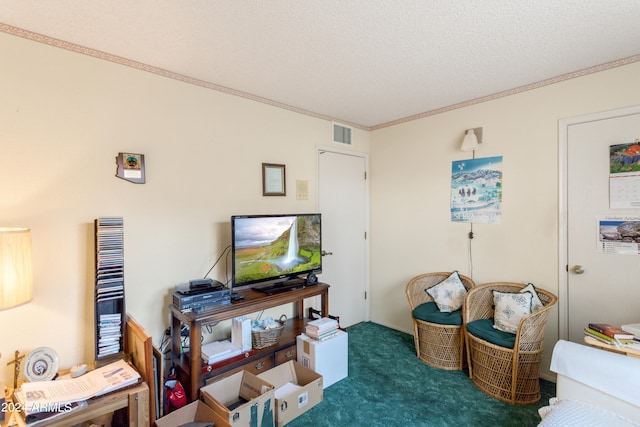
column 273, row 180
column 131, row 167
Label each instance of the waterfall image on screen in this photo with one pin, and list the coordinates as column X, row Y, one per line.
column 272, row 247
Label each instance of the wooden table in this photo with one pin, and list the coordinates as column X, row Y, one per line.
column 632, row 352
column 136, row 399
column 189, row 365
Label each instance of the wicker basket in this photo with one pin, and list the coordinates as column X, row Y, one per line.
column 268, row 337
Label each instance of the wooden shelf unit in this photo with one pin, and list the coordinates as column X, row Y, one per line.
column 189, row 365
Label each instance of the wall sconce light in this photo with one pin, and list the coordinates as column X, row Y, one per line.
column 16, row 277
column 472, row 138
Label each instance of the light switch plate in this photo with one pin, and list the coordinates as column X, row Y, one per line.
column 302, row 189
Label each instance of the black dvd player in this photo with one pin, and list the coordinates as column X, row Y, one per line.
column 199, row 286
column 191, row 299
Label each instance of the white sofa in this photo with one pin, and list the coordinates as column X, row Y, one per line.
column 594, row 388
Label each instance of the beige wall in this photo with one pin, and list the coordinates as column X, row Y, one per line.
column 65, row 116
column 410, row 186
column 63, row 119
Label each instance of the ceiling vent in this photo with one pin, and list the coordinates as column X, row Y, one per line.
column 341, row 134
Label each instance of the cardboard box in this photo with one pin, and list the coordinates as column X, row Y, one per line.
column 194, row 411
column 298, row 389
column 242, row 399
column 329, row 358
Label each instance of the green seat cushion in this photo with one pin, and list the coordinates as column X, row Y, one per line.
column 429, row 312
column 483, row 329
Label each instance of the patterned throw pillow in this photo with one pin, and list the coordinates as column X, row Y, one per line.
column 448, row 294
column 510, row 307
column 536, row 304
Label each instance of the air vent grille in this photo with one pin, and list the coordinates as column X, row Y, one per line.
column 341, row 134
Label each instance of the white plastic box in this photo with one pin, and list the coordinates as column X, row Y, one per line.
column 329, row 358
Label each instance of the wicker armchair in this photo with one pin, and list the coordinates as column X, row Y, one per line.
column 508, row 374
column 437, row 345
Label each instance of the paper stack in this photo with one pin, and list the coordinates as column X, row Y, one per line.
column 102, row 380
column 633, row 328
column 219, row 350
column 322, row 329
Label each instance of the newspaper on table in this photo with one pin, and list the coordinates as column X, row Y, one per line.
column 94, row 383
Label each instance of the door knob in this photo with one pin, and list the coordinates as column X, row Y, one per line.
column 577, row 269
column 325, row 253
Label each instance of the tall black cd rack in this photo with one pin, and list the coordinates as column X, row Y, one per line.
column 110, row 313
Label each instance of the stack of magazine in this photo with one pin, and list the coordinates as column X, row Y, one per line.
column 611, row 334
column 44, row 400
column 109, row 285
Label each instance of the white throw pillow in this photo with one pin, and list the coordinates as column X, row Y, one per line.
column 448, row 294
column 536, row 304
column 509, row 308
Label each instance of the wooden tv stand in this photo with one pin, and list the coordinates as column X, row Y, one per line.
column 191, row 371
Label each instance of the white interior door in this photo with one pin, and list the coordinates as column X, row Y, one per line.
column 600, row 287
column 342, row 200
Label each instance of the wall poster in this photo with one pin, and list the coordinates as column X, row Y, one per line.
column 624, row 175
column 619, row 235
column 476, row 190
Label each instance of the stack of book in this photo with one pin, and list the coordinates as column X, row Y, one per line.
column 219, row 350
column 609, row 334
column 322, row 329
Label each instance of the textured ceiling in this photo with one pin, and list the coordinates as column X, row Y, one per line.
column 363, row 62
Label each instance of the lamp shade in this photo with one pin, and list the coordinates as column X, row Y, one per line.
column 16, row 277
column 470, row 141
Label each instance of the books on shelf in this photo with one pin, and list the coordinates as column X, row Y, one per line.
column 606, row 339
column 610, row 331
column 612, row 335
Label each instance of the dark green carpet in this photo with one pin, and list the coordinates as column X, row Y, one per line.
column 389, row 386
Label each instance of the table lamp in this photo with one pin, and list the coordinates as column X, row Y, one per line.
column 16, row 277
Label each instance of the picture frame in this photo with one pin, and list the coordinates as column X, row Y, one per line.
column 131, row 167
column 273, row 180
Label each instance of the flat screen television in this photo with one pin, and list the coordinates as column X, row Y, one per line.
column 274, row 251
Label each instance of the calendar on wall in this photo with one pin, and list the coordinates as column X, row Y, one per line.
column 618, row 234
column 624, row 175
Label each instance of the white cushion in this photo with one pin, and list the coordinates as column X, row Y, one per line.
column 536, row 304
column 567, row 413
column 509, row 308
column 448, row 294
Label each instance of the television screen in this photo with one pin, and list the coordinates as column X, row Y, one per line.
column 274, row 248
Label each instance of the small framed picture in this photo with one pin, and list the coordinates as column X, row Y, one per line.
column 273, row 180
column 131, row 167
